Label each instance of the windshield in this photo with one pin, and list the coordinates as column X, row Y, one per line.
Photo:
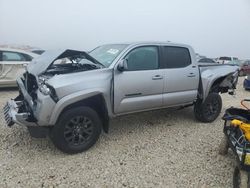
column 107, row 53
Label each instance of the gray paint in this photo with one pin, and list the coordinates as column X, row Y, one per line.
column 176, row 88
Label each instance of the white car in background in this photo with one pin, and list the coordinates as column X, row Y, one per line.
column 225, row 59
column 12, row 65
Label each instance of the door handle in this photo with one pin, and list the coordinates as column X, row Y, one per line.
column 157, row 77
column 191, row 74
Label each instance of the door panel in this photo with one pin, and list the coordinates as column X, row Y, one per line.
column 140, row 87
column 180, row 86
column 181, row 77
column 137, row 90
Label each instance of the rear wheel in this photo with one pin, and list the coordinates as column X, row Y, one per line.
column 76, row 130
column 210, row 109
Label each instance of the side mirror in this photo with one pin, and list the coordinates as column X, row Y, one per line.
column 122, row 65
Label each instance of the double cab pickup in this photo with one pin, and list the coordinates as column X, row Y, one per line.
column 71, row 95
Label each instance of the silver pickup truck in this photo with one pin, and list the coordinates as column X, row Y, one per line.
column 71, row 95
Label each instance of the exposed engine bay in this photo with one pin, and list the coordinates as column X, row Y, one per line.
column 70, row 62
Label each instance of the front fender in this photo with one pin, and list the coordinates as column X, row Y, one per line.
column 70, row 99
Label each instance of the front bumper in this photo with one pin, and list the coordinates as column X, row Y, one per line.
column 12, row 114
column 23, row 110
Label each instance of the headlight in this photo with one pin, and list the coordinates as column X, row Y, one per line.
column 245, row 77
column 48, row 90
column 44, row 89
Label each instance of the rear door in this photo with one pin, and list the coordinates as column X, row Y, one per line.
column 181, row 77
column 139, row 87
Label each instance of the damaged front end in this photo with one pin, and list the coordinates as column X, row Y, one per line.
column 36, row 100
column 19, row 110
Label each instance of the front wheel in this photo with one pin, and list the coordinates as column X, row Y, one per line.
column 210, row 109
column 76, row 130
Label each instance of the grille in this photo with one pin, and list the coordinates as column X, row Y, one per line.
column 7, row 116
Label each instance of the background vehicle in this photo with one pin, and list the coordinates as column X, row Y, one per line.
column 12, row 63
column 71, row 95
column 37, row 51
column 199, row 56
column 225, row 60
column 245, row 68
column 206, row 60
column 246, row 83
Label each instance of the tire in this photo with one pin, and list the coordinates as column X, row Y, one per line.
column 223, row 147
column 76, row 130
column 240, row 178
column 210, row 109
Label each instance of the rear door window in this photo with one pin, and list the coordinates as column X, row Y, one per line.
column 15, row 56
column 176, row 57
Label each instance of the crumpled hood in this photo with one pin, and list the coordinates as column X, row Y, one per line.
column 40, row 64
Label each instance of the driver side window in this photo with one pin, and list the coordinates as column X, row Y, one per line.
column 143, row 58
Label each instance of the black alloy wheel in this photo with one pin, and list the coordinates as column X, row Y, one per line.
column 77, row 130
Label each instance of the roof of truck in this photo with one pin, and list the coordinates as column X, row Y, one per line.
column 153, row 43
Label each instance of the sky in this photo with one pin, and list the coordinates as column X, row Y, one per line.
column 212, row 27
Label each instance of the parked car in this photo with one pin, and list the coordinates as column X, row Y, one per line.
column 39, row 52
column 198, row 56
column 71, row 95
column 245, row 68
column 206, row 60
column 246, row 82
column 12, row 63
column 225, row 60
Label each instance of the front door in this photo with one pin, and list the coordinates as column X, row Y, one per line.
column 140, row 87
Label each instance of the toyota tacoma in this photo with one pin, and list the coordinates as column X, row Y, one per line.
column 71, row 95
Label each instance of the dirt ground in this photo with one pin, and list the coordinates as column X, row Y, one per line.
column 166, row 148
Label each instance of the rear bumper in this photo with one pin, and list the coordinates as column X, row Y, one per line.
column 12, row 114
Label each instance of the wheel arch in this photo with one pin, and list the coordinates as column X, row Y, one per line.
column 215, row 87
column 97, row 102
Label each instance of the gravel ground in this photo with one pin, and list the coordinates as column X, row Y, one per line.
column 163, row 148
